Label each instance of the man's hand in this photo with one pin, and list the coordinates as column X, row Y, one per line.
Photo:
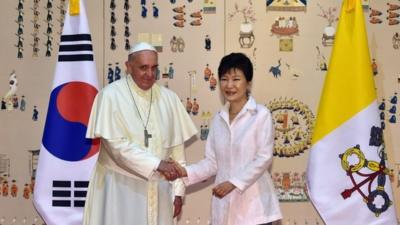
column 222, row 189
column 178, row 202
column 168, row 169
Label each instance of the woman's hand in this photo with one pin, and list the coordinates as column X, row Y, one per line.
column 222, row 189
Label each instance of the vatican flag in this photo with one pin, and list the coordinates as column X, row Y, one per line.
column 66, row 157
column 347, row 174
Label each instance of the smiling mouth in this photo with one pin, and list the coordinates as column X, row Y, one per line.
column 229, row 93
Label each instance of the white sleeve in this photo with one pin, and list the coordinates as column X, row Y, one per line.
column 206, row 167
column 132, row 157
column 178, row 154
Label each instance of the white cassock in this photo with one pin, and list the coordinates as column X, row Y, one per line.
column 125, row 187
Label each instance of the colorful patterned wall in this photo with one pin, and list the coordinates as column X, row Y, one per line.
column 288, row 41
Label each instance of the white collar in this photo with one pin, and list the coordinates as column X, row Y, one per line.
column 250, row 106
column 143, row 93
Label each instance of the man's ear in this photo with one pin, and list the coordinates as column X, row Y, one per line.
column 128, row 68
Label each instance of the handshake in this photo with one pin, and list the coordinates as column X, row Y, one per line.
column 171, row 169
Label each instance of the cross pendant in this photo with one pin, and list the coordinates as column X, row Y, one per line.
column 146, row 138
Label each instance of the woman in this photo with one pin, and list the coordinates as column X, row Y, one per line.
column 239, row 152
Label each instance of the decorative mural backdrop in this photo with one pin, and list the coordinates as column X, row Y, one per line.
column 288, row 41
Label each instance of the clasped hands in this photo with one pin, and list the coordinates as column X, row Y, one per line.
column 171, row 169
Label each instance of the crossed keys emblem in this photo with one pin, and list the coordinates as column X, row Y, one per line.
column 378, row 171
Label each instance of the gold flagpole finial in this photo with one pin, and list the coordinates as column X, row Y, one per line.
column 351, row 5
column 74, row 8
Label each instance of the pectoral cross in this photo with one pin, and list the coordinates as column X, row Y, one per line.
column 146, row 138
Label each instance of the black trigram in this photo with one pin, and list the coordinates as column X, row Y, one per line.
column 75, row 47
column 66, row 195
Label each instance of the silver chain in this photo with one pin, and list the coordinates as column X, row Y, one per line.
column 151, row 101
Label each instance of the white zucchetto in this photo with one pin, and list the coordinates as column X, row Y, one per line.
column 141, row 46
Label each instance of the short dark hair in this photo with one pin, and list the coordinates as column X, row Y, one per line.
column 236, row 61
